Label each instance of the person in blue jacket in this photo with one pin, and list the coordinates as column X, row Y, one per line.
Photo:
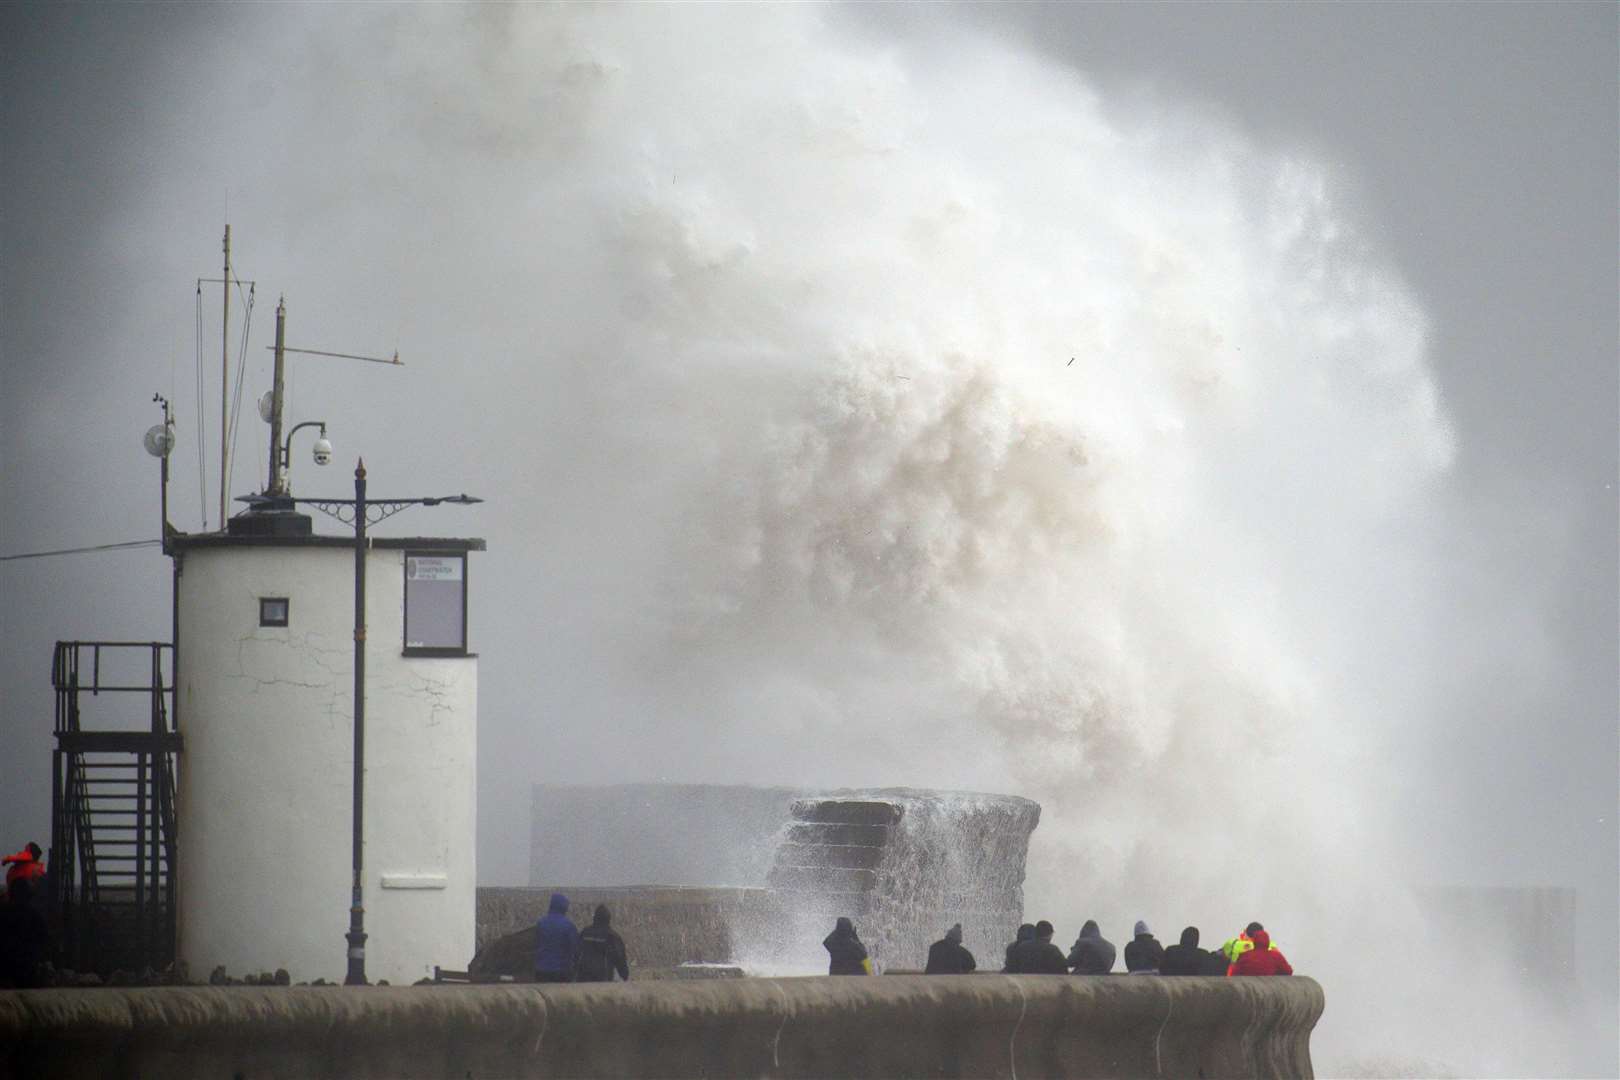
column 556, row 944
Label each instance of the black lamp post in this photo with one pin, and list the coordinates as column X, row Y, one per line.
column 361, row 512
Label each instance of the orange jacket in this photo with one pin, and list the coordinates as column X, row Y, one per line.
column 23, row 865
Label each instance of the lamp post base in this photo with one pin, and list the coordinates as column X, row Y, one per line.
column 356, row 937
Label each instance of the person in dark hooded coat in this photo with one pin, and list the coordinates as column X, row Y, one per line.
column 1143, row 953
column 1214, row 963
column 847, row 954
column 948, row 956
column 601, row 950
column 1186, row 958
column 1037, row 955
column 556, row 943
column 1025, row 933
column 1092, row 954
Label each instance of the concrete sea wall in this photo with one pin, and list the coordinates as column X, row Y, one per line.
column 896, row 1026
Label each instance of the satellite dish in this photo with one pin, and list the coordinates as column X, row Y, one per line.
column 159, row 440
column 266, row 404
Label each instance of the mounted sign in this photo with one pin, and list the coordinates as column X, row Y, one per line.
column 435, row 604
column 434, row 567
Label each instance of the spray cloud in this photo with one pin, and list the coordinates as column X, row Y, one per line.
column 870, row 415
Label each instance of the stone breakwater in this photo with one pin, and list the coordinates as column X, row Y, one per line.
column 904, row 863
column 662, row 927
column 900, row 1026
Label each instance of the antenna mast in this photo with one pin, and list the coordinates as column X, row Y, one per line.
column 225, row 388
column 274, row 487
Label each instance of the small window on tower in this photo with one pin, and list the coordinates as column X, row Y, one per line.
column 272, row 611
column 435, row 604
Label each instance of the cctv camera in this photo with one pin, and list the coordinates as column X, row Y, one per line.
column 323, row 451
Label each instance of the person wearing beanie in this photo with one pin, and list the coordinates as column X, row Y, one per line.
column 1143, row 953
column 947, row 956
column 1262, row 958
column 1092, row 953
column 1186, row 958
column 601, row 950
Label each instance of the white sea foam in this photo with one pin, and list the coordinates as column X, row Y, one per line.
column 889, row 415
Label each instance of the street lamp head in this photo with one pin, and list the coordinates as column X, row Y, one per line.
column 459, row 500
column 267, row 405
column 323, row 449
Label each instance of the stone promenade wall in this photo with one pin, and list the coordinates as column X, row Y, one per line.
column 892, row 1026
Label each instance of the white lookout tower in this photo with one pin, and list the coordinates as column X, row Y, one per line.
column 328, row 704
column 264, row 674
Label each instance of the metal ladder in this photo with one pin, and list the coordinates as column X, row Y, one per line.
column 111, row 869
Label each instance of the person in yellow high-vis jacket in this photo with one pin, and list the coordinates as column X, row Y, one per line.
column 1236, row 947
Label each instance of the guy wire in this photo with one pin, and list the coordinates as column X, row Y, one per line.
column 241, row 365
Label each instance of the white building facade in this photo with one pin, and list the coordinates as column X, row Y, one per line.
column 265, row 678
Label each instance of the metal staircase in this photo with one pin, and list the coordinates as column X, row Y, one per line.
column 112, row 862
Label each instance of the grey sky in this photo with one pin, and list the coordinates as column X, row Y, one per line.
column 1475, row 145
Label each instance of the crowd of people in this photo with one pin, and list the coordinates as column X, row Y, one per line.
column 564, row 953
column 1250, row 952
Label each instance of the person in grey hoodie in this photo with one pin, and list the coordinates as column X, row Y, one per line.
column 1092, row 953
column 1143, row 954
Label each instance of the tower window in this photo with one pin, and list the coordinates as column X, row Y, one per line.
column 273, row 611
column 435, row 604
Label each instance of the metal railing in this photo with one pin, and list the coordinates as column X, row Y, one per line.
column 111, row 880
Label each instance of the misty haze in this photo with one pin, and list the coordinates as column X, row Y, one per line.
column 1200, row 421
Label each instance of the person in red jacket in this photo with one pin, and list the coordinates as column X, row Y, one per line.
column 1262, row 959
column 25, row 865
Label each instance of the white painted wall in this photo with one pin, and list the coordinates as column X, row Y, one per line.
column 265, row 794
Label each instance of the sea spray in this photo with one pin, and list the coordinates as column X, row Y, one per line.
column 904, row 414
